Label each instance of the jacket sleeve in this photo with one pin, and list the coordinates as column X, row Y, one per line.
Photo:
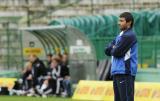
column 109, row 47
column 39, row 69
column 43, row 70
column 121, row 48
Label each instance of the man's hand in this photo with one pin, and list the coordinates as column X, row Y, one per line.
column 67, row 77
column 114, row 46
column 29, row 77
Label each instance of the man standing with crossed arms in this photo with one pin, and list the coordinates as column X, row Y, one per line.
column 123, row 50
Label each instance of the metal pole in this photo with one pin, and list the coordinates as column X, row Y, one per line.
column 28, row 14
column 8, row 45
column 141, row 51
column 155, row 52
column 92, row 7
column 21, row 42
column 133, row 5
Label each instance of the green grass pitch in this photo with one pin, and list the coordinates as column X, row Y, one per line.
column 24, row 98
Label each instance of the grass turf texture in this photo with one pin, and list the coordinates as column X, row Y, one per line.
column 24, row 98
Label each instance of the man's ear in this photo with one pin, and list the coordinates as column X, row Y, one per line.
column 129, row 24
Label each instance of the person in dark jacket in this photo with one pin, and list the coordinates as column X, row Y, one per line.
column 38, row 71
column 52, row 80
column 123, row 50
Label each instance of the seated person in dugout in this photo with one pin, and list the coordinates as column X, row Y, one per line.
column 52, row 82
column 66, row 76
column 37, row 73
column 24, row 84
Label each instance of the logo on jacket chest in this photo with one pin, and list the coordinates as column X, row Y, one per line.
column 37, row 65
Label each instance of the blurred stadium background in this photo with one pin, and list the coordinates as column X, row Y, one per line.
column 93, row 20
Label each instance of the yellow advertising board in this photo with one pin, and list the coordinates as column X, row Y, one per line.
column 103, row 91
column 28, row 51
column 7, row 82
column 91, row 90
column 147, row 92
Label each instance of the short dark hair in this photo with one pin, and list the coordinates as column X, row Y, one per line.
column 59, row 55
column 128, row 17
column 49, row 54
